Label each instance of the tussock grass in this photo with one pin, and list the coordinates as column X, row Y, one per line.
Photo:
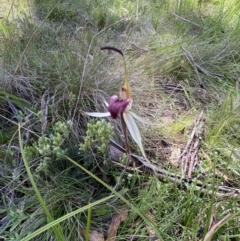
column 182, row 57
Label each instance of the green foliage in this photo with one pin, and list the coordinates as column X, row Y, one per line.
column 50, row 61
column 97, row 140
column 57, row 229
column 50, row 147
column 98, row 15
column 59, row 10
column 123, row 159
column 222, row 137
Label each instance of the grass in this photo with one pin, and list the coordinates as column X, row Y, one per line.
column 182, row 58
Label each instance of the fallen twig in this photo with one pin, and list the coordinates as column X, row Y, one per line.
column 193, row 64
column 197, row 68
column 186, row 20
column 182, row 158
column 217, row 225
column 193, row 158
column 116, row 152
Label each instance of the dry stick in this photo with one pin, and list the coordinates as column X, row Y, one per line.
column 186, row 159
column 204, row 71
column 221, row 192
column 193, row 159
column 184, row 165
column 192, row 62
column 142, row 161
column 165, row 175
column 186, row 20
column 192, row 134
column 190, row 141
column 210, row 233
column 197, row 67
column 129, row 168
column 212, row 217
column 10, row 10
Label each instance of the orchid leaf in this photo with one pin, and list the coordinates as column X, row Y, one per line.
column 140, row 119
column 98, row 114
column 134, row 131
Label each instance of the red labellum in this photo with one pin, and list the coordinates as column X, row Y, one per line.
column 117, row 106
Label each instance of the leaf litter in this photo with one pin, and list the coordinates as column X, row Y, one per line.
column 117, row 219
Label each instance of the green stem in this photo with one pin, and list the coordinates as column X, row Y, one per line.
column 57, row 229
column 88, row 223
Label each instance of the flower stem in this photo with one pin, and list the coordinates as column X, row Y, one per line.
column 124, row 128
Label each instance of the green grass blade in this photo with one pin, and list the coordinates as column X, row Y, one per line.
column 31, row 37
column 134, row 209
column 65, row 217
column 88, row 223
column 57, row 230
column 5, row 96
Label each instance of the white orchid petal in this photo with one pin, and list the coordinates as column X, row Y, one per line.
column 98, row 114
column 134, row 131
column 140, row 119
column 105, row 102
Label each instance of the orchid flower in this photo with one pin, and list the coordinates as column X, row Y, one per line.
column 121, row 107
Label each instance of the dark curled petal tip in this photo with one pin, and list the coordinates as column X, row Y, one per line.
column 112, row 48
column 117, row 106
